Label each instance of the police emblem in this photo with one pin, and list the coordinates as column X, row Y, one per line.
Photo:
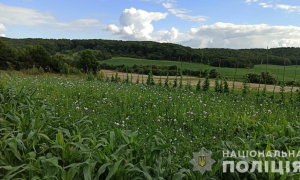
column 202, row 161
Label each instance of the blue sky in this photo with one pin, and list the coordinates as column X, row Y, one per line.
column 195, row 23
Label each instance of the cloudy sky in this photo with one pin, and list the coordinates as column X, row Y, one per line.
column 195, row 23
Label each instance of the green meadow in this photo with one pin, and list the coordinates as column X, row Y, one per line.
column 277, row 71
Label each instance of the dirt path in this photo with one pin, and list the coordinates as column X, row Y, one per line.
column 194, row 81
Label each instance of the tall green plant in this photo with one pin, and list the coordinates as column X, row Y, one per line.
column 206, row 83
column 150, row 80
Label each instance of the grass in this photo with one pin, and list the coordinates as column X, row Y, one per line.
column 227, row 72
column 69, row 128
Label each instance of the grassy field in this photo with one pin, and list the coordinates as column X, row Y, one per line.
column 227, row 72
column 71, row 128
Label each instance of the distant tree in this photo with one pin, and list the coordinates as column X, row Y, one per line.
column 57, row 62
column 87, row 61
column 35, row 55
column 8, row 55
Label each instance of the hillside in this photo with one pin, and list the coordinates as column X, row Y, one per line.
column 241, row 58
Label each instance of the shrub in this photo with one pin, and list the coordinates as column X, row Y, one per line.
column 265, row 77
column 34, row 71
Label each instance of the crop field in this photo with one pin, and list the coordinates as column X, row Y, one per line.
column 70, row 128
column 192, row 80
column 226, row 72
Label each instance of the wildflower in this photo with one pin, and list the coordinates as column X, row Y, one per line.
column 184, row 124
column 214, row 137
column 77, row 107
column 174, row 120
column 127, row 118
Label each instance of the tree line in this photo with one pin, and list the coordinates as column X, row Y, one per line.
column 31, row 56
column 242, row 58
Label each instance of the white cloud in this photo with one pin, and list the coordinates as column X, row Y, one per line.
column 227, row 35
column 136, row 24
column 13, row 15
column 288, row 8
column 182, row 13
column 168, row 36
column 192, row 18
column 113, row 28
column 168, row 5
column 78, row 25
column 250, row 1
column 2, row 30
column 265, row 5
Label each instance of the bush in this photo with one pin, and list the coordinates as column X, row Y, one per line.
column 266, row 77
column 34, row 71
column 214, row 73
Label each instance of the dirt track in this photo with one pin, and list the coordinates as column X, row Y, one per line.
column 194, row 81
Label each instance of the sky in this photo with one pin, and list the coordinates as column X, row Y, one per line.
column 196, row 23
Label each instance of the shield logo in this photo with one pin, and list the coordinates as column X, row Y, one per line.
column 202, row 161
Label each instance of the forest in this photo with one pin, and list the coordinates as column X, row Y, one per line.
column 235, row 58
